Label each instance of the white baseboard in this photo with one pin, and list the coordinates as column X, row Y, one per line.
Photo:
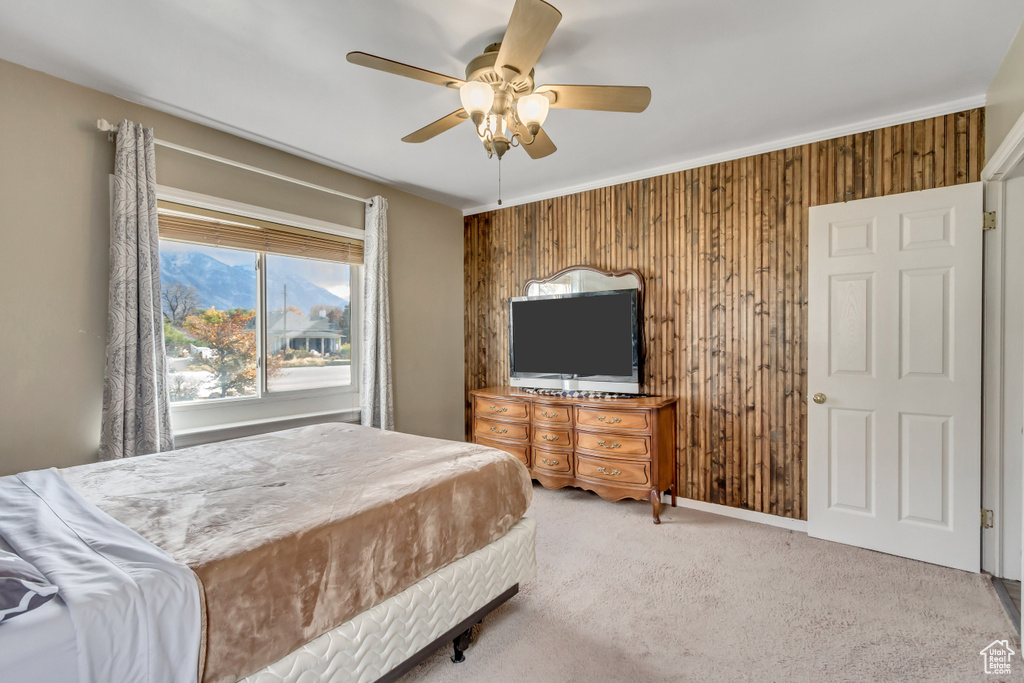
column 740, row 513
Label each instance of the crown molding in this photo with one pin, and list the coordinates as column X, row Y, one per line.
column 910, row 116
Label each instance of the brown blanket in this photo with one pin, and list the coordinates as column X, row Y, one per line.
column 295, row 532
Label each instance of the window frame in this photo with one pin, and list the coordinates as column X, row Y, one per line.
column 203, row 420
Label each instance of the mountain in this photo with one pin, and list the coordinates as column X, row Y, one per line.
column 219, row 285
column 302, row 292
column 224, row 287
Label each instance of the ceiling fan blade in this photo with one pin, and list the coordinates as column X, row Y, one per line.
column 529, row 30
column 630, row 98
column 400, row 69
column 437, row 127
column 541, row 146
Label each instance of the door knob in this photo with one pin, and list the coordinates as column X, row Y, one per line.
column 818, row 398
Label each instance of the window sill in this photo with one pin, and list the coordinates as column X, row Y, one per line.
column 209, row 434
column 202, row 422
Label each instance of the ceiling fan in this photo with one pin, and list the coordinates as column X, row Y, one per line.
column 499, row 94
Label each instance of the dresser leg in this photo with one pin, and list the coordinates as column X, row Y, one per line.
column 673, row 495
column 656, row 505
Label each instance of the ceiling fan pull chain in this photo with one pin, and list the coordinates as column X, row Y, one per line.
column 499, row 181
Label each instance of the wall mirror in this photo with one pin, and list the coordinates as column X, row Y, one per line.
column 576, row 279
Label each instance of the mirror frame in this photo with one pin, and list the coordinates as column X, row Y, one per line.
column 607, row 273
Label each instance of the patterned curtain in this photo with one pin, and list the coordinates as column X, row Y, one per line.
column 376, row 394
column 136, row 409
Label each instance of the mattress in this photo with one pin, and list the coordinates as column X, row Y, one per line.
column 295, row 532
column 373, row 643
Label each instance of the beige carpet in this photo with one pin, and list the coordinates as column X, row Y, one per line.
column 708, row 598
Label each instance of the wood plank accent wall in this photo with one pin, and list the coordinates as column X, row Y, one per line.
column 723, row 249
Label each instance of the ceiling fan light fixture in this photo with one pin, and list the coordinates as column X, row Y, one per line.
column 494, row 133
column 493, row 126
column 477, row 98
column 533, row 110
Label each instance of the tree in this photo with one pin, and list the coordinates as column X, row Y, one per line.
column 342, row 321
column 182, row 388
column 232, row 340
column 180, row 301
column 174, row 339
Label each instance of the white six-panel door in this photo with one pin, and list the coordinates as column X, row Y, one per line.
column 894, row 319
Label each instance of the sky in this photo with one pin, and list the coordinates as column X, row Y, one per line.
column 333, row 277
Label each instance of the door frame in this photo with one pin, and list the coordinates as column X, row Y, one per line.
column 997, row 494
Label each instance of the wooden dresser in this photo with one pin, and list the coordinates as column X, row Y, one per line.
column 618, row 448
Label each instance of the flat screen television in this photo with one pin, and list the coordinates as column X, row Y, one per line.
column 588, row 341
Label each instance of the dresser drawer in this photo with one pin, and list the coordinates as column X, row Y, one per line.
column 552, row 437
column 508, row 410
column 612, row 419
column 512, row 431
column 553, row 414
column 632, row 473
column 552, row 461
column 521, row 452
column 618, row 445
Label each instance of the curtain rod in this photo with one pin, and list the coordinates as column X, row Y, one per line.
column 106, row 126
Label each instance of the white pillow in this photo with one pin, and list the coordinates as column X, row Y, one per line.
column 22, row 587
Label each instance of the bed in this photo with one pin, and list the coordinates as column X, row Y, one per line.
column 331, row 552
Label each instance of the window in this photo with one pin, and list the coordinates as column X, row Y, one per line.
column 258, row 311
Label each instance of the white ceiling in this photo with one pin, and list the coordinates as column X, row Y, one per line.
column 728, row 76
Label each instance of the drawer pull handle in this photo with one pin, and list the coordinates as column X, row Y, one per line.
column 503, row 409
column 548, row 437
column 499, row 431
column 613, row 473
column 549, row 463
column 609, row 420
column 615, row 444
column 548, row 415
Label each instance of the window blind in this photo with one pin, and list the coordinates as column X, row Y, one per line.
column 183, row 223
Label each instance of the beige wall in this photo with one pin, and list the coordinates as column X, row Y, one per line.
column 1004, row 101
column 54, row 222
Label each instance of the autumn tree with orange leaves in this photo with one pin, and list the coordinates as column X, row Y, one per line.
column 232, row 339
